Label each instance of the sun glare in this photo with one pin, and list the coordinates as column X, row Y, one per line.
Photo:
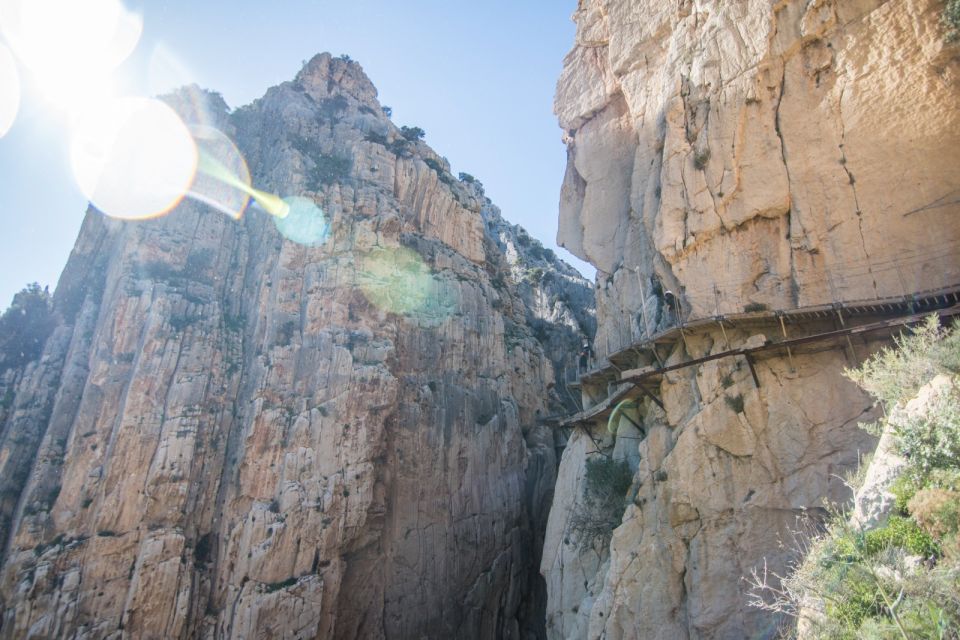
column 9, row 90
column 70, row 47
column 223, row 179
column 133, row 158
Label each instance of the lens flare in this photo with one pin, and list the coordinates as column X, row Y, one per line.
column 213, row 168
column 398, row 281
column 133, row 158
column 272, row 204
column 223, row 179
column 304, row 222
column 70, row 47
column 9, row 90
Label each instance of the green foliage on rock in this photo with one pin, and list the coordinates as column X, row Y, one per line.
column 605, row 485
column 898, row 372
column 412, row 133
column 930, row 441
column 25, row 326
column 950, row 18
column 327, row 170
column 899, row 579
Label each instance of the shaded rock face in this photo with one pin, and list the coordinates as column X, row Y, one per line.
column 234, row 435
column 727, row 474
column 745, row 156
column 559, row 303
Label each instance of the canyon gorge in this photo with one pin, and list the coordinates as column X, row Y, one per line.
column 366, row 420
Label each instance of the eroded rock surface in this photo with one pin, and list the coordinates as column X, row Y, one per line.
column 741, row 152
column 746, row 156
column 232, row 434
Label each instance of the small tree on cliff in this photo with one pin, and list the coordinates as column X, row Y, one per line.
column 24, row 327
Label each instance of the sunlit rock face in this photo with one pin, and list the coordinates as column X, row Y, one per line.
column 743, row 155
column 739, row 152
column 320, row 426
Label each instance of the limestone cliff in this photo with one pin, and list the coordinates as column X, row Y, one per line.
column 757, row 157
column 233, row 433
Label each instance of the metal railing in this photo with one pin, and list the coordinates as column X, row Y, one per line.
column 913, row 270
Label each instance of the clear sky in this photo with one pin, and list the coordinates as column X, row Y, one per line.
column 478, row 77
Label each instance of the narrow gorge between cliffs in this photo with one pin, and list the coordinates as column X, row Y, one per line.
column 371, row 407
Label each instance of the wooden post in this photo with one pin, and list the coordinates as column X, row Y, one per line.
column 650, row 395
column 853, row 353
column 783, row 328
column 753, row 371
column 723, row 329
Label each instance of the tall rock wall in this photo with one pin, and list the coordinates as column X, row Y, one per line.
column 746, row 156
column 784, row 154
column 234, row 434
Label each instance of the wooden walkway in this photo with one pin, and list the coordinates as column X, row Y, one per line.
column 624, row 382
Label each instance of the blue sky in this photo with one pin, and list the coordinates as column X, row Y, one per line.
column 478, row 77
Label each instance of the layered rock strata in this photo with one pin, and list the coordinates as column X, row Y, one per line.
column 234, row 434
column 747, row 157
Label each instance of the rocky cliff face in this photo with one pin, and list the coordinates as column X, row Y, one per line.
column 742, row 152
column 246, row 429
column 747, row 156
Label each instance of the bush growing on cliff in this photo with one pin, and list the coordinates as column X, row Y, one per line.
column 951, row 20
column 25, row 326
column 328, row 170
column 898, row 373
column 412, row 133
column 599, row 512
column 931, row 441
column 900, row 579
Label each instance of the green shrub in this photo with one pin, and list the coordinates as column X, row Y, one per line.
column 734, row 402
column 25, row 326
column 700, row 158
column 534, row 275
column 328, row 170
column 203, row 551
column 198, row 262
column 903, row 490
column 931, row 440
column 276, row 586
column 903, row 533
column 869, row 582
column 332, row 107
column 412, row 133
column 285, row 333
column 605, row 487
column 400, row 147
column 858, row 600
column 180, row 322
column 755, row 307
column 937, row 511
column 234, row 323
column 950, row 18
column 376, row 138
column 897, row 373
